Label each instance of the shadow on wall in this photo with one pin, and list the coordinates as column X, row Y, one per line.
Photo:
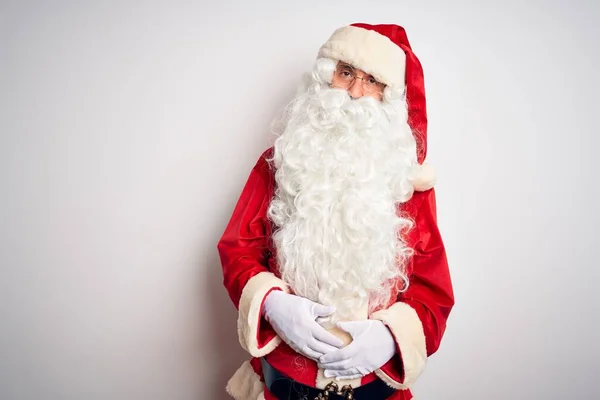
column 222, row 353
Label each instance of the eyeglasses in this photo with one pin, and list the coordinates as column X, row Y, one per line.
column 345, row 76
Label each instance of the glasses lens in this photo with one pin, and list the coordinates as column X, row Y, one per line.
column 345, row 75
column 371, row 85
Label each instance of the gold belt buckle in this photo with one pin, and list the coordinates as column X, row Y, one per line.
column 332, row 387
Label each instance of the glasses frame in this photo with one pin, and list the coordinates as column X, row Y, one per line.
column 379, row 87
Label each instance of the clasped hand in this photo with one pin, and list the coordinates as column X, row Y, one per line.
column 372, row 346
column 294, row 319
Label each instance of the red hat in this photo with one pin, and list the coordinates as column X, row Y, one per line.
column 385, row 52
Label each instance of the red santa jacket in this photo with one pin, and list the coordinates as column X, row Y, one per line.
column 417, row 317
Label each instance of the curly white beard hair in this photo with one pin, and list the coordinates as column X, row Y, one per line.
column 342, row 167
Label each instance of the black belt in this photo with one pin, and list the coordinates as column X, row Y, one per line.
column 285, row 388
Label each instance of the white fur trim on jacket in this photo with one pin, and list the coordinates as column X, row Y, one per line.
column 245, row 384
column 249, row 316
column 407, row 329
column 424, row 177
column 368, row 50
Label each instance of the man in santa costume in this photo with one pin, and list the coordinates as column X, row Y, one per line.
column 333, row 256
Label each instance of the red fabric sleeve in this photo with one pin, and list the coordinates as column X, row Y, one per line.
column 243, row 245
column 418, row 319
column 430, row 292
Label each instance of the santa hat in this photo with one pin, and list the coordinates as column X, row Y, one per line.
column 384, row 52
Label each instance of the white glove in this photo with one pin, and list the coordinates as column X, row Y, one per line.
column 294, row 319
column 372, row 346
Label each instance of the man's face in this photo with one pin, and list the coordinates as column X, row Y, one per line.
column 357, row 82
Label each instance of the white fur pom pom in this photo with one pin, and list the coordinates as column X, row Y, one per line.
column 423, row 177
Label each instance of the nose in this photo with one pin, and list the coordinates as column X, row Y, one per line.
column 356, row 89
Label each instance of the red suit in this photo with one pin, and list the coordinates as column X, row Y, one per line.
column 417, row 319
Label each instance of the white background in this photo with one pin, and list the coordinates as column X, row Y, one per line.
column 129, row 128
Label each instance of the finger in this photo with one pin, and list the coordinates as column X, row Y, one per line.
column 330, row 374
column 352, row 327
column 342, row 378
column 319, row 310
column 339, row 355
column 342, row 374
column 324, row 336
column 357, row 376
column 337, row 365
column 320, row 347
column 347, row 372
column 310, row 353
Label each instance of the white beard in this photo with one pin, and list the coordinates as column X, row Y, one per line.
column 342, row 168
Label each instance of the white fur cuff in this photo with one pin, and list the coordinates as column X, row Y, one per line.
column 245, row 384
column 368, row 50
column 407, row 328
column 249, row 316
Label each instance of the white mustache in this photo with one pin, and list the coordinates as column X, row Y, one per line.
column 334, row 106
